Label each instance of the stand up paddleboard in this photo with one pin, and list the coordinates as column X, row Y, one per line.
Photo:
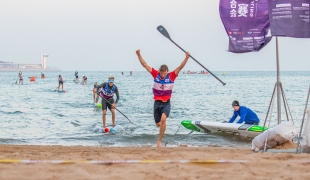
column 98, row 105
column 108, row 130
column 62, row 91
column 247, row 130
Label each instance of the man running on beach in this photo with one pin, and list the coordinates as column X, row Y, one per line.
column 162, row 90
column 107, row 93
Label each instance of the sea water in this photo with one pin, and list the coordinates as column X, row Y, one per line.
column 36, row 114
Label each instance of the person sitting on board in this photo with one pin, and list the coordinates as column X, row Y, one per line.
column 162, row 90
column 60, row 82
column 107, row 92
column 84, row 79
column 95, row 95
column 76, row 75
column 21, row 80
column 246, row 114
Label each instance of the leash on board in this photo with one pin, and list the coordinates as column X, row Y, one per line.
column 178, row 131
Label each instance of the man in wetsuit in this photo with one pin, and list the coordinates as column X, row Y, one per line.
column 246, row 114
column 162, row 90
column 107, row 92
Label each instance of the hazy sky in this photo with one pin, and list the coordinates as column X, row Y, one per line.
column 103, row 35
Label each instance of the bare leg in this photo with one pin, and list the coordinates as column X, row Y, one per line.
column 104, row 113
column 162, row 128
column 113, row 116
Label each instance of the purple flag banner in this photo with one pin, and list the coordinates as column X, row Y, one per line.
column 246, row 23
column 289, row 18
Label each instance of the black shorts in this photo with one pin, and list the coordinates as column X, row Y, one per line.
column 60, row 82
column 105, row 104
column 160, row 108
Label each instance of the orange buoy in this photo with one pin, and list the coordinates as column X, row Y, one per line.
column 32, row 79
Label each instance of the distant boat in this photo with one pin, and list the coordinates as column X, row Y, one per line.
column 189, row 72
column 203, row 72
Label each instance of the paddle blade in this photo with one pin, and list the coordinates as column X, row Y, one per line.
column 163, row 31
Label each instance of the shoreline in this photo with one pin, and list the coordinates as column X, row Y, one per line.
column 202, row 163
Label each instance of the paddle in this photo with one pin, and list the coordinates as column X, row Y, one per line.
column 55, row 89
column 164, row 32
column 115, row 108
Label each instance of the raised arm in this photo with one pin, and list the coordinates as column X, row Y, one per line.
column 143, row 63
column 178, row 69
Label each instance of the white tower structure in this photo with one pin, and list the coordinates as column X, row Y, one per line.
column 43, row 60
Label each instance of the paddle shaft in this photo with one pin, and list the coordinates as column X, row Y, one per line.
column 115, row 108
column 198, row 62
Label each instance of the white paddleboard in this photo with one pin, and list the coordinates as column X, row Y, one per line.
column 246, row 130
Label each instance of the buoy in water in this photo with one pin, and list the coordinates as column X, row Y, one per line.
column 32, row 79
column 106, row 130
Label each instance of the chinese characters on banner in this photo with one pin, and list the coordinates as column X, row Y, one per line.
column 289, row 18
column 246, row 23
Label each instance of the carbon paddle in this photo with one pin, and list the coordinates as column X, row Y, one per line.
column 115, row 108
column 165, row 33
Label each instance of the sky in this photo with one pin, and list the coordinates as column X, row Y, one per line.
column 103, row 35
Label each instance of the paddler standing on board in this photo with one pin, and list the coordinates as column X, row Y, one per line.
column 20, row 76
column 60, row 82
column 162, row 90
column 76, row 76
column 95, row 95
column 107, row 92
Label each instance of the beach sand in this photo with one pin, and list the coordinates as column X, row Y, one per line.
column 260, row 165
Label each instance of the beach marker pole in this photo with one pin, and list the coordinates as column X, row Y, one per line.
column 165, row 33
column 115, row 108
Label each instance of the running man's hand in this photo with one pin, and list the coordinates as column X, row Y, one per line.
column 187, row 54
column 138, row 52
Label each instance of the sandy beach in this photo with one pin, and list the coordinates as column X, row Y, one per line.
column 241, row 163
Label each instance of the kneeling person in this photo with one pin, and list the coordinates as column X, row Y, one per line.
column 246, row 114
